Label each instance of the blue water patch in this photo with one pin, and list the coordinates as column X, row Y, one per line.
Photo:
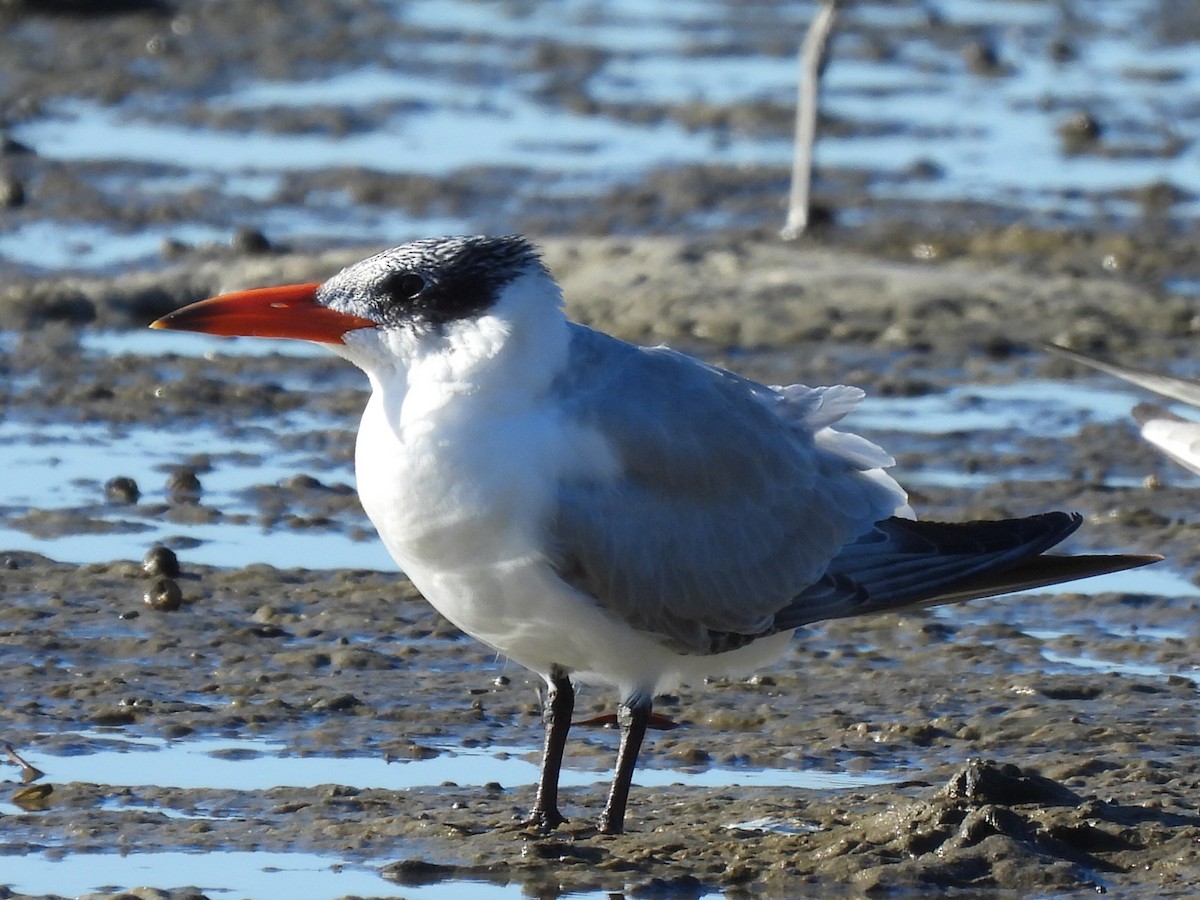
column 1056, row 408
column 228, row 874
column 75, row 245
column 257, row 765
column 65, row 467
column 462, row 90
column 152, row 342
column 434, row 140
column 1158, row 580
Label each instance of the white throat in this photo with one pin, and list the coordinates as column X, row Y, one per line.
column 504, row 357
column 457, row 452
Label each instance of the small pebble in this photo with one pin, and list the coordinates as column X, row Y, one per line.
column 165, row 595
column 183, row 486
column 122, row 489
column 982, row 59
column 302, row 482
column 161, row 561
column 1061, row 50
column 33, row 797
column 173, row 248
column 12, row 192
column 250, row 240
column 1079, row 131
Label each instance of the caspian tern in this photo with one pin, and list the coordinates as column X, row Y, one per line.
column 1177, row 437
column 607, row 513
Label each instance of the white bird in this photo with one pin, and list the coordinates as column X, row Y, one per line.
column 1176, row 436
column 606, row 513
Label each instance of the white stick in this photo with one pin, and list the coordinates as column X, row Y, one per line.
column 812, row 57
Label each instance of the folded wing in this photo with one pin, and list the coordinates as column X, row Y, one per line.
column 731, row 498
column 901, row 563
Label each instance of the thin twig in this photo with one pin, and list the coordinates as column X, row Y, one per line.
column 28, row 773
column 812, row 63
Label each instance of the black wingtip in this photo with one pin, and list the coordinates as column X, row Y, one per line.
column 1042, row 572
column 908, row 563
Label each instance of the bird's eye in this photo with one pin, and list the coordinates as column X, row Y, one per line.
column 404, row 286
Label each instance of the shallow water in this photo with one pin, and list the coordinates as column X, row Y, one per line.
column 221, row 874
column 66, row 467
column 1089, row 663
column 257, row 765
column 1159, row 580
column 1052, row 408
column 154, row 342
column 459, row 88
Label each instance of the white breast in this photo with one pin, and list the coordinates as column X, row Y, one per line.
column 458, row 460
column 462, row 504
column 465, row 519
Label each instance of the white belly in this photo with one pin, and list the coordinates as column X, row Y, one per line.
column 465, row 518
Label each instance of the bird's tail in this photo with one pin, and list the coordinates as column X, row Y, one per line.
column 903, row 563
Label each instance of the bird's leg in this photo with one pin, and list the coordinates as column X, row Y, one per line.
column 632, row 716
column 556, row 714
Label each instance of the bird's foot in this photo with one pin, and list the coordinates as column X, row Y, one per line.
column 609, row 720
column 611, row 824
column 543, row 820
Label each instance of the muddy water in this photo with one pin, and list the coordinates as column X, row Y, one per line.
column 303, row 725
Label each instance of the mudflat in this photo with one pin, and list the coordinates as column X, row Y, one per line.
column 1032, row 743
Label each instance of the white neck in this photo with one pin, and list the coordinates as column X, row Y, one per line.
column 503, row 358
column 428, row 467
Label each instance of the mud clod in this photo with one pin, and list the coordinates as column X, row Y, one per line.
column 122, row 490
column 165, row 595
column 982, row 782
column 161, row 561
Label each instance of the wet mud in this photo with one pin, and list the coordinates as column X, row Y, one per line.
column 1011, row 772
column 1091, row 697
column 1020, row 746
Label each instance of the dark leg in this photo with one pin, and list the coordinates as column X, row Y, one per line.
column 632, row 715
column 556, row 714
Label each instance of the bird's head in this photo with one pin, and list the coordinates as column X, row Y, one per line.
column 395, row 307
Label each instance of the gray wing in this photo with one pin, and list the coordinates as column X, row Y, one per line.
column 731, row 497
column 1166, row 385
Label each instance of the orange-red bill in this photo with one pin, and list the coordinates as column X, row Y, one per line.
column 288, row 311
